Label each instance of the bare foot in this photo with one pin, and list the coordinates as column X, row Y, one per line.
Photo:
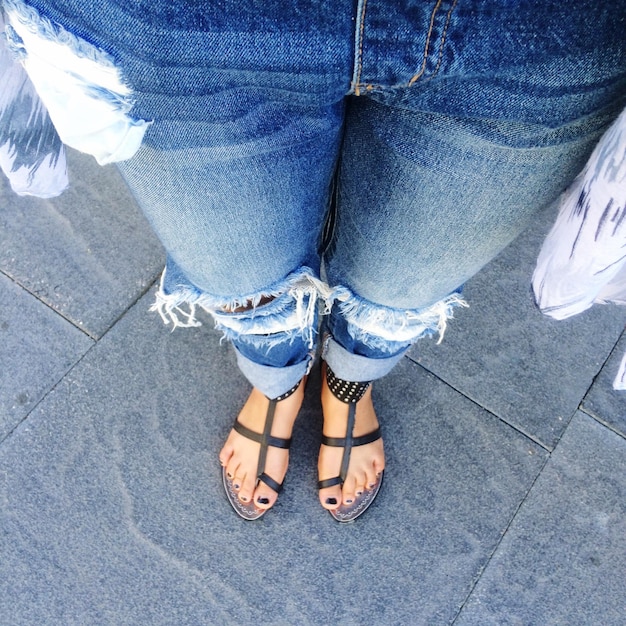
column 240, row 455
column 366, row 462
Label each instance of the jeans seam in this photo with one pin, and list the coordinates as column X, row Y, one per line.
column 357, row 85
column 442, row 40
column 358, row 48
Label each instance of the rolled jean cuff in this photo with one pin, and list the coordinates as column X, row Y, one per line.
column 272, row 381
column 354, row 367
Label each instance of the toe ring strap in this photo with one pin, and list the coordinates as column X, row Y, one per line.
column 329, row 482
column 271, row 483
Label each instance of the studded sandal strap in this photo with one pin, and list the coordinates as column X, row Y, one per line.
column 285, row 395
column 349, row 392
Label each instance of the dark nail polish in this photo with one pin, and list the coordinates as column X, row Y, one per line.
column 359, row 493
column 348, row 501
column 263, row 500
column 229, row 475
column 331, row 500
column 372, row 485
column 244, row 499
column 236, row 485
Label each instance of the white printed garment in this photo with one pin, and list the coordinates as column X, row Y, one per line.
column 583, row 259
column 32, row 155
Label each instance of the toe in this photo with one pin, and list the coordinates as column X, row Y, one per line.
column 246, row 490
column 371, row 478
column 349, row 490
column 231, row 469
column 264, row 496
column 225, row 455
column 331, row 497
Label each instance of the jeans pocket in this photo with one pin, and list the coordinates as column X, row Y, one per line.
column 80, row 85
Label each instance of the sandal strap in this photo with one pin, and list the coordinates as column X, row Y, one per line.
column 329, row 482
column 340, row 442
column 350, row 393
column 271, row 483
column 275, row 442
column 265, row 439
column 347, row 391
column 285, row 395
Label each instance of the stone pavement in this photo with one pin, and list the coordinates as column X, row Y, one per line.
column 505, row 493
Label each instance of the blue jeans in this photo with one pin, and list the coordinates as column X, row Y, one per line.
column 296, row 157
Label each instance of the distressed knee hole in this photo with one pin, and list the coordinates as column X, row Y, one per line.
column 385, row 328
column 287, row 308
column 248, row 306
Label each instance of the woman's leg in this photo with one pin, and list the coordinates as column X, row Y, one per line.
column 232, row 114
column 440, row 173
column 241, row 219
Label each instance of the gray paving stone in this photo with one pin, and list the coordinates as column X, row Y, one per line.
column 37, row 347
column 530, row 370
column 603, row 402
column 563, row 559
column 89, row 253
column 113, row 512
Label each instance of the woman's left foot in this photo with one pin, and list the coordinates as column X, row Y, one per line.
column 353, row 492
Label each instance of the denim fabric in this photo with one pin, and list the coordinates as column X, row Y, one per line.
column 420, row 136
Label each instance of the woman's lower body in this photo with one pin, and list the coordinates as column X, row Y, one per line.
column 357, row 159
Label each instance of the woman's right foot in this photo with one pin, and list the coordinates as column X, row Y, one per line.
column 240, row 455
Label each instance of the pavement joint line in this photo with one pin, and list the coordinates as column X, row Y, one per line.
column 95, row 341
column 48, row 392
column 506, row 530
column 149, row 284
column 525, row 434
column 601, row 421
column 48, row 305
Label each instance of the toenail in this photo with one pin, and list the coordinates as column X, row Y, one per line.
column 359, row 493
column 348, row 501
column 331, row 500
column 263, row 500
column 236, row 485
column 372, row 485
column 229, row 475
column 244, row 499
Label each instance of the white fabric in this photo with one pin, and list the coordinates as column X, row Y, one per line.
column 86, row 98
column 583, row 259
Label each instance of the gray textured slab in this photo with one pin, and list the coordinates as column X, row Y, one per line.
column 564, row 557
column 113, row 511
column 528, row 369
column 37, row 347
column 603, row 402
column 89, row 253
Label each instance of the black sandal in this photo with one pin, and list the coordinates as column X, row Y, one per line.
column 248, row 510
column 350, row 393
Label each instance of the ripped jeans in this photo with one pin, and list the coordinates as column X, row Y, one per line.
column 362, row 159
